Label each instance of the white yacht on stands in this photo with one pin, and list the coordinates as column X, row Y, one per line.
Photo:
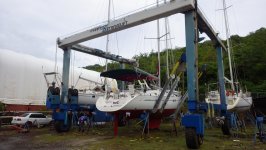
column 137, row 98
column 237, row 100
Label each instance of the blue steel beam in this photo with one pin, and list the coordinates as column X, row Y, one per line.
column 191, row 53
column 128, row 21
column 204, row 26
column 101, row 53
column 65, row 76
column 221, row 80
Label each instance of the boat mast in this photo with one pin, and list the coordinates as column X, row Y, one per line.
column 107, row 36
column 107, row 46
column 158, row 46
column 166, row 46
column 228, row 43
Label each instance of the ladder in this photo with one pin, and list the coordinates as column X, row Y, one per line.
column 166, row 85
column 170, row 93
column 182, row 100
column 178, row 107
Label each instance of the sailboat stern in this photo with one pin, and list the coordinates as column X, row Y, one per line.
column 114, row 101
column 243, row 104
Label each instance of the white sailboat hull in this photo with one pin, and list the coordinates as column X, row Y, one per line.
column 138, row 101
column 238, row 102
column 241, row 104
column 89, row 98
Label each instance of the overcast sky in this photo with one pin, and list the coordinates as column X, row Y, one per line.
column 32, row 26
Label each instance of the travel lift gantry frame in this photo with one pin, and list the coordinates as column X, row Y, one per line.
column 194, row 22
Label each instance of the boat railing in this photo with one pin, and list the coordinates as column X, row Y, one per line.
column 131, row 88
column 122, row 94
column 230, row 101
column 248, row 94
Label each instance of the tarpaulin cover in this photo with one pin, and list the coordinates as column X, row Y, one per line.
column 127, row 75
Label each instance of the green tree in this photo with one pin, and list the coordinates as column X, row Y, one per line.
column 248, row 53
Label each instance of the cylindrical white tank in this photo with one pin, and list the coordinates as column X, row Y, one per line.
column 22, row 79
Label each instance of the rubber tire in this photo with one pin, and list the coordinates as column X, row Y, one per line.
column 57, row 91
column 226, row 127
column 70, row 91
column 75, row 92
column 57, row 126
column 200, row 139
column 60, row 127
column 30, row 124
column 192, row 139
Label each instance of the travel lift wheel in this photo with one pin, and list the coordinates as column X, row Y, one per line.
column 193, row 140
column 61, row 127
column 226, row 127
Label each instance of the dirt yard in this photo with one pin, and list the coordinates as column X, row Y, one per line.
column 44, row 138
column 130, row 137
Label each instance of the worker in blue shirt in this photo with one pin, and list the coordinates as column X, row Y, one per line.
column 82, row 122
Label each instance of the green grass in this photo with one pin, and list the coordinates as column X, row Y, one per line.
column 130, row 137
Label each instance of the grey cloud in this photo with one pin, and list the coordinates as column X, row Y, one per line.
column 32, row 26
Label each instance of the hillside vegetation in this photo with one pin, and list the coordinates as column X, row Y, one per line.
column 248, row 53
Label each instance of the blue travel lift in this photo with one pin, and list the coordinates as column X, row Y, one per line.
column 194, row 120
column 194, row 22
column 63, row 105
column 66, row 106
